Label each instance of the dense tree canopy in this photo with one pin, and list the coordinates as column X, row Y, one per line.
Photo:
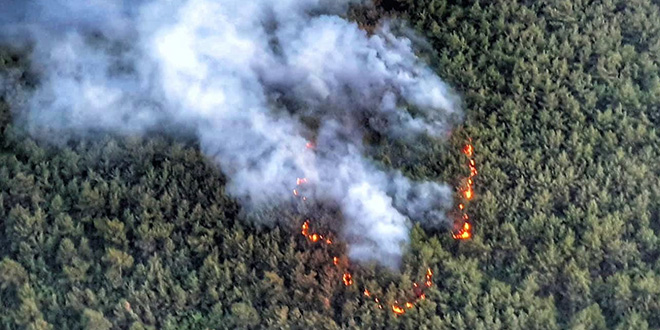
column 561, row 99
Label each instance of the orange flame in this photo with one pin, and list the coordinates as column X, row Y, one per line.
column 398, row 310
column 314, row 237
column 464, row 233
column 397, row 307
column 305, row 227
column 468, row 193
column 429, row 276
column 468, row 149
column 310, row 145
column 348, row 279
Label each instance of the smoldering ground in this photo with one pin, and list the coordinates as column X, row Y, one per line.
column 245, row 76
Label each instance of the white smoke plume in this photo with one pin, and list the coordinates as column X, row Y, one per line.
column 245, row 75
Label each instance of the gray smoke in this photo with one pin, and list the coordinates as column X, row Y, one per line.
column 246, row 75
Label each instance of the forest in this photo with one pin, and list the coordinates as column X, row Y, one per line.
column 561, row 101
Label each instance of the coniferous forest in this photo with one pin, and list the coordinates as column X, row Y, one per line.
column 561, row 103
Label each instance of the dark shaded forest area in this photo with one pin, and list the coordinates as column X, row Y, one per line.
column 562, row 102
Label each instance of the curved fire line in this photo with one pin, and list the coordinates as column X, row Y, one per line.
column 465, row 232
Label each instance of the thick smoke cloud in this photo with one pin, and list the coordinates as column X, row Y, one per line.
column 243, row 75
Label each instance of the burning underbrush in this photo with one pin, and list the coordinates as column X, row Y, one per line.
column 311, row 231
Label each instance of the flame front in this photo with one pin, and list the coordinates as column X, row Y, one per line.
column 313, row 237
column 305, row 228
column 465, row 231
column 468, row 150
column 347, row 277
column 468, row 193
column 429, row 276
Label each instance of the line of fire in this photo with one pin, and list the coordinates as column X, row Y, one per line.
column 467, row 194
column 419, row 290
